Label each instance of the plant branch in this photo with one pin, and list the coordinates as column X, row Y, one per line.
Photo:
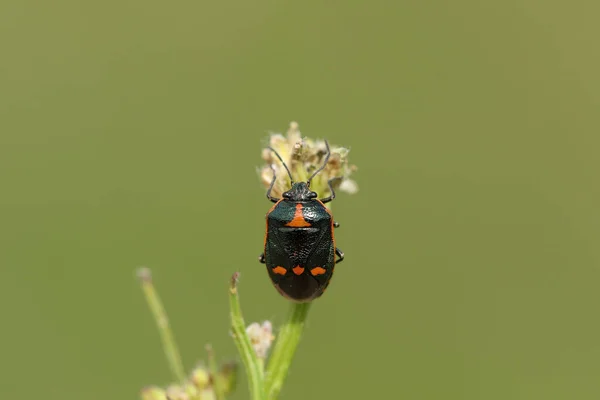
column 160, row 317
column 253, row 367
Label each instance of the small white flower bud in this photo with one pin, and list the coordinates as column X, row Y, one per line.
column 261, row 337
column 175, row 392
column 200, row 377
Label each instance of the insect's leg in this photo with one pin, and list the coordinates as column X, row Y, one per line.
column 336, row 224
column 340, row 255
column 261, row 258
column 328, row 199
column 273, row 199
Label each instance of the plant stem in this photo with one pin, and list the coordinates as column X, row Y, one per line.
column 216, row 381
column 253, row 367
column 287, row 342
column 160, row 317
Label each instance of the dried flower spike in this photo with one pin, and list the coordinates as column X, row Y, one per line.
column 303, row 156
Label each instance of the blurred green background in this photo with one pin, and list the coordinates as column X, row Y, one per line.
column 130, row 133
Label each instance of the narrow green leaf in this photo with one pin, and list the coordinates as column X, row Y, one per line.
column 251, row 363
column 162, row 322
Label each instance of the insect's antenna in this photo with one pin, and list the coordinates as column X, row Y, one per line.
column 322, row 166
column 285, row 166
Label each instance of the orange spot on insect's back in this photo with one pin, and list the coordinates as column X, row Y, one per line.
column 318, row 271
column 298, row 270
column 298, row 221
column 279, row 270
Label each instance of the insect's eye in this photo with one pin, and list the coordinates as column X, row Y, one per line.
column 312, row 195
column 286, row 195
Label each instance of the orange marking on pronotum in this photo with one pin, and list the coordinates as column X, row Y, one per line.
column 279, row 270
column 298, row 221
column 298, row 270
column 318, row 271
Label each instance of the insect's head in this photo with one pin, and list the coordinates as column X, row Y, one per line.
column 300, row 191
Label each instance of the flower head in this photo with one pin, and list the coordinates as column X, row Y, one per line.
column 304, row 156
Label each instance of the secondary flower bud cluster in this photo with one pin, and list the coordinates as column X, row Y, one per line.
column 199, row 386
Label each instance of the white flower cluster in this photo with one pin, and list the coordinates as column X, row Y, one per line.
column 261, row 337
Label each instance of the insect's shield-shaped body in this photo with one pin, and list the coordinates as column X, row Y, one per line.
column 299, row 248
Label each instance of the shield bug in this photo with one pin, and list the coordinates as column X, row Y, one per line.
column 299, row 249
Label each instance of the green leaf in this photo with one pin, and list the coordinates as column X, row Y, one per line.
column 253, row 366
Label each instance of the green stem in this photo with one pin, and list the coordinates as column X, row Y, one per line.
column 287, row 342
column 252, row 365
column 214, row 373
column 160, row 316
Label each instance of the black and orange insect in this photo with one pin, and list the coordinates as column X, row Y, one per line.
column 300, row 251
